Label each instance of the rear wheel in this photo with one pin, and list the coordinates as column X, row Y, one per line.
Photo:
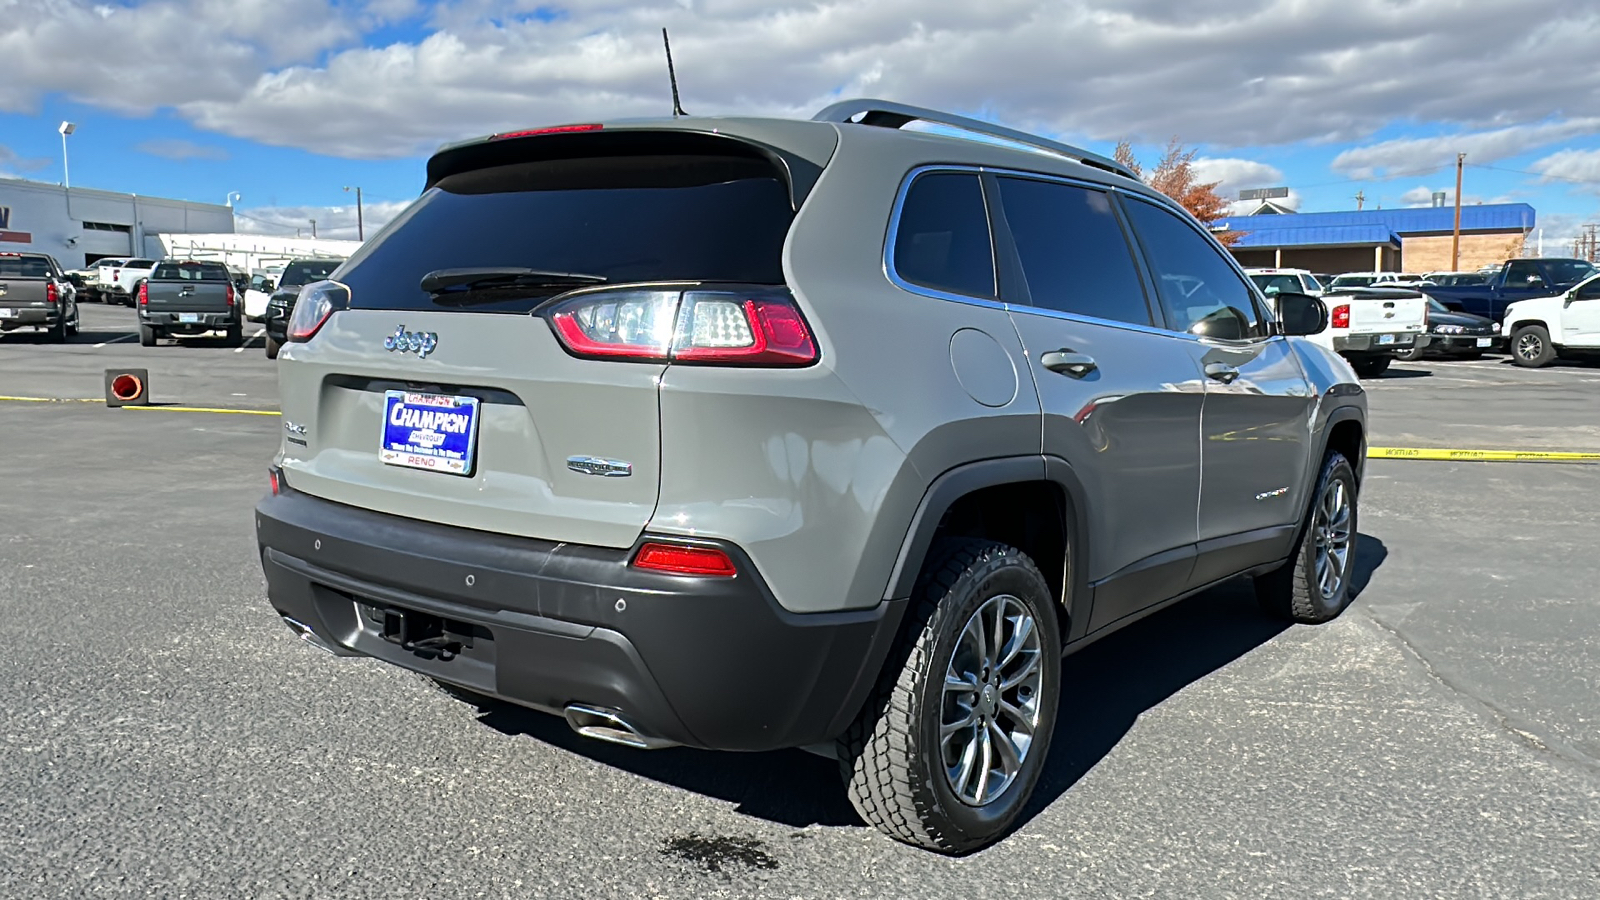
column 147, row 335
column 76, row 324
column 953, row 740
column 1531, row 347
column 234, row 336
column 1314, row 585
column 57, row 333
column 1371, row 366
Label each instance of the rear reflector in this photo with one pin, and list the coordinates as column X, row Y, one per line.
column 681, row 560
column 554, row 129
column 272, row 478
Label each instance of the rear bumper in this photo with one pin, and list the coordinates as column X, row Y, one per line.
column 22, row 317
column 1376, row 343
column 705, row 662
column 203, row 320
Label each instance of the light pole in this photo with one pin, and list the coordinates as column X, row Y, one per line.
column 361, row 231
column 66, row 174
column 234, row 197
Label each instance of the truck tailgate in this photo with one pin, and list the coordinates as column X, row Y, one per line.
column 188, row 296
column 18, row 293
column 1386, row 312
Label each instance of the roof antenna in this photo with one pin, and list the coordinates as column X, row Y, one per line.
column 677, row 108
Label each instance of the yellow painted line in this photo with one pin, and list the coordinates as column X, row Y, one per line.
column 1431, row 453
column 52, row 399
column 208, row 409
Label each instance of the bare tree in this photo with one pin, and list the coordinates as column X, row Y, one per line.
column 1174, row 176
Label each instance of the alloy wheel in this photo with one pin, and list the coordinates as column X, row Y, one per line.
column 1331, row 531
column 992, row 689
column 1529, row 346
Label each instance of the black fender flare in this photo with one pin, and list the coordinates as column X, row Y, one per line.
column 962, row 480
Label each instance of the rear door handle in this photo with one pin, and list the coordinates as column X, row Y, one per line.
column 1221, row 372
column 1069, row 362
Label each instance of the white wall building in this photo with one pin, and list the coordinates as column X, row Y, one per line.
column 80, row 225
column 248, row 253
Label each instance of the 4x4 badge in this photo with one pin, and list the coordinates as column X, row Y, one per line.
column 419, row 342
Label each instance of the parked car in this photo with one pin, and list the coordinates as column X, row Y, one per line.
column 1298, row 281
column 1360, row 279
column 1454, row 334
column 89, row 278
column 1566, row 326
column 35, row 293
column 1456, row 279
column 120, row 283
column 280, row 305
column 188, row 298
column 1518, row 279
column 805, row 474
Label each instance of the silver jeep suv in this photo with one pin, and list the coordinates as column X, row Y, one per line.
column 749, row 434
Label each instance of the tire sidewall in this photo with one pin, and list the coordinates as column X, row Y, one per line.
column 1336, row 467
column 1545, row 353
column 1002, row 575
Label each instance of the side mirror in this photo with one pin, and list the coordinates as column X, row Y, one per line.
column 1301, row 314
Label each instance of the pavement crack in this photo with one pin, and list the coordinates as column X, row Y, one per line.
column 1485, row 708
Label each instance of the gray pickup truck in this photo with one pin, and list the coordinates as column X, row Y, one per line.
column 35, row 293
column 187, row 299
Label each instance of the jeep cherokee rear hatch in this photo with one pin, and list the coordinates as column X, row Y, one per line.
column 491, row 359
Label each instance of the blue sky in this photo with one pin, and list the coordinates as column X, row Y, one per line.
column 288, row 101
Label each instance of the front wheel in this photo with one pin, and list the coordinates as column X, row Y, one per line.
column 1371, row 366
column 953, row 740
column 1412, row 355
column 1531, row 347
column 273, row 346
column 1314, row 585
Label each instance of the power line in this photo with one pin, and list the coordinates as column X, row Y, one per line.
column 1536, row 174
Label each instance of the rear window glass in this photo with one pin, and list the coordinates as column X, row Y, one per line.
column 24, row 267
column 667, row 217
column 304, row 273
column 1277, row 284
column 140, row 263
column 942, row 240
column 191, row 271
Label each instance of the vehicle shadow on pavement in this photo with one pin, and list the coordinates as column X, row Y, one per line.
column 1394, row 373
column 1113, row 681
column 1110, row 684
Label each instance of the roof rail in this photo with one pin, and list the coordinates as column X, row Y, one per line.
column 886, row 114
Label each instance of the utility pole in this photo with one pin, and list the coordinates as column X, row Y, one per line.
column 1361, row 200
column 361, row 231
column 1455, row 237
column 313, row 228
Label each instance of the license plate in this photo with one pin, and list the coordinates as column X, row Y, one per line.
column 436, row 432
column 1385, row 338
column 6, row 313
column 188, row 317
column 1485, row 342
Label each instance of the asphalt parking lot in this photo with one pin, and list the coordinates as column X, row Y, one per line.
column 165, row 735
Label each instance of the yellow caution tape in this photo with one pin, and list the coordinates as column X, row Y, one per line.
column 1480, row 455
column 208, row 409
column 52, row 399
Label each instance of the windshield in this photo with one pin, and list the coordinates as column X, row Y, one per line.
column 1354, row 280
column 1436, row 306
column 668, row 217
column 302, row 272
column 1312, row 284
column 1277, row 284
column 1569, row 271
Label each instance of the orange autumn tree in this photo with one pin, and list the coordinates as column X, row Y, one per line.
column 1174, row 176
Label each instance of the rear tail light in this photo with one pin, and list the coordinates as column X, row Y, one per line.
column 1341, row 316
column 681, row 560
column 312, row 307
column 275, row 479
column 50, row 293
column 144, row 294
column 758, row 327
column 230, row 295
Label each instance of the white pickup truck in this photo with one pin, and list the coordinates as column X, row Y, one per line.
column 1540, row 330
column 120, row 284
column 1369, row 327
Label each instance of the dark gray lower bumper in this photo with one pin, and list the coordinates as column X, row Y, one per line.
column 706, row 662
column 1376, row 343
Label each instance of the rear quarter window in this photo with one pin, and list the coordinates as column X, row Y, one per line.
column 942, row 238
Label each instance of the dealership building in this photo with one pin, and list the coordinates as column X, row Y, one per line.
column 80, row 225
column 1379, row 240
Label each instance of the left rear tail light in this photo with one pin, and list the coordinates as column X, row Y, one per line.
column 678, row 559
column 756, row 327
column 51, row 294
column 313, row 306
column 230, row 295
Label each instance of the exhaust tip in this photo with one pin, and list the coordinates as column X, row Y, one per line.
column 611, row 727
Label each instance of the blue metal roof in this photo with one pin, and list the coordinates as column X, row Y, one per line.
column 1489, row 217
column 1336, row 235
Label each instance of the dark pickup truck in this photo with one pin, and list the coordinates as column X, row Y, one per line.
column 1518, row 279
column 187, row 299
column 35, row 293
column 296, row 275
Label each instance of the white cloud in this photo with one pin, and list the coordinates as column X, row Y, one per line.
column 332, row 221
column 1578, row 168
column 1417, row 156
column 179, row 149
column 1221, row 73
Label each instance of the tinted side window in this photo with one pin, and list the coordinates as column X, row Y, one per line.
column 1523, row 274
column 943, row 238
column 1200, row 292
column 1072, row 250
